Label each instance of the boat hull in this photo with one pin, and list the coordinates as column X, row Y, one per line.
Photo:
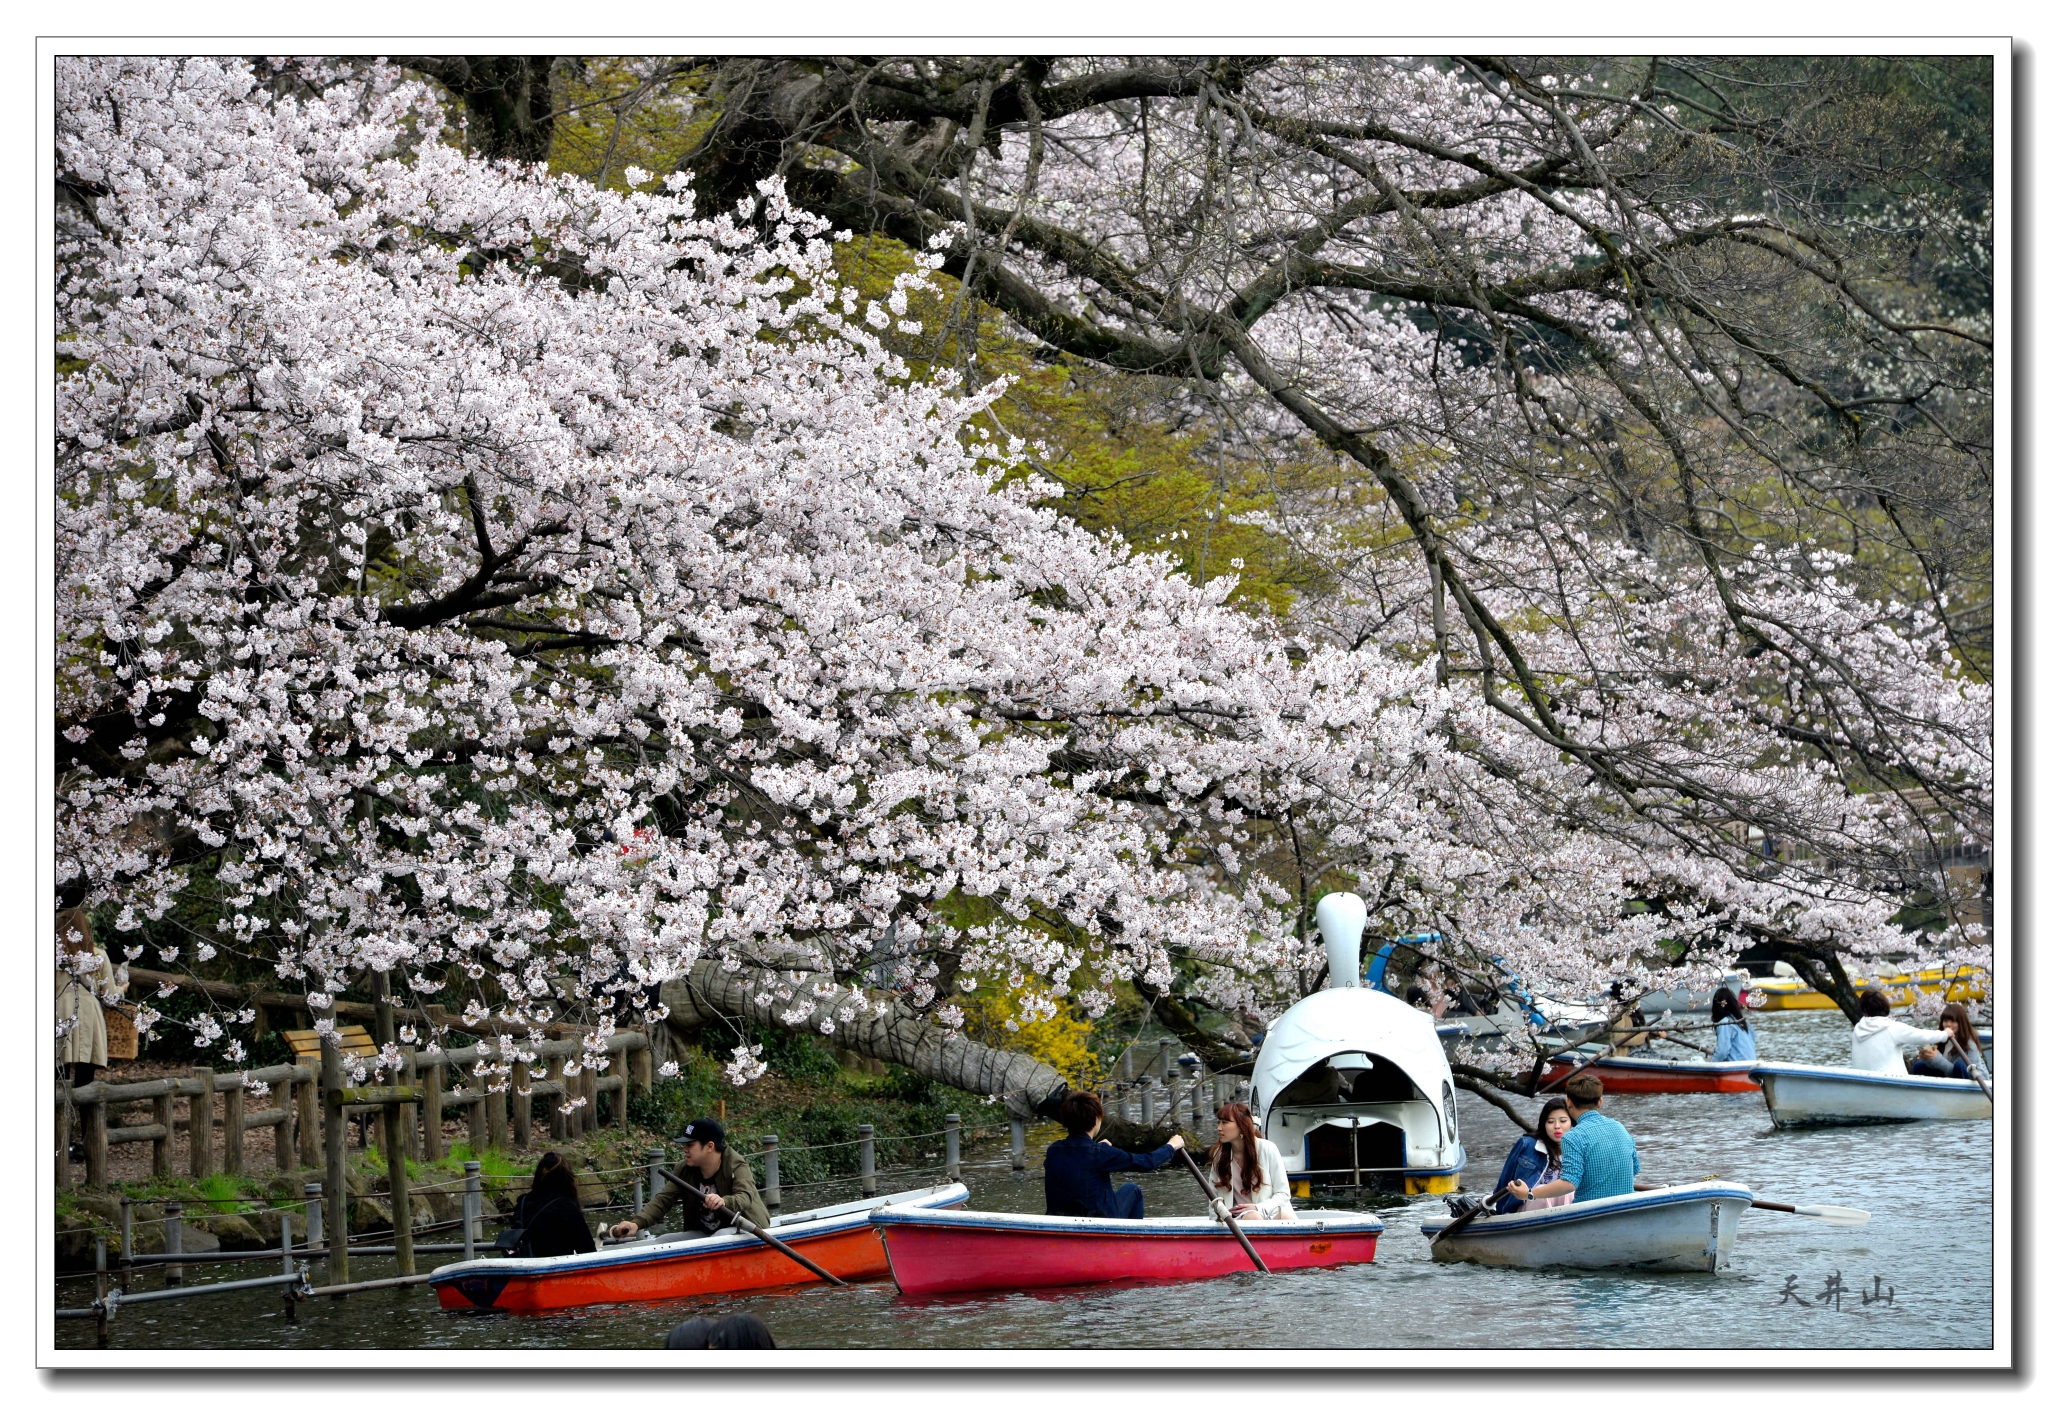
column 1680, row 1229
column 962, row 1251
column 1625, row 1075
column 726, row 1263
column 1784, row 993
column 1805, row 1095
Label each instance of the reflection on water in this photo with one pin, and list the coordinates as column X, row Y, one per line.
column 1927, row 1184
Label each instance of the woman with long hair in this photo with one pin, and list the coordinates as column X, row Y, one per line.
column 547, row 1222
column 1733, row 1041
column 1247, row 1169
column 1538, row 1158
column 1960, row 1049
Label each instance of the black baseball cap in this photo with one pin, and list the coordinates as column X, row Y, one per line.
column 704, row 1129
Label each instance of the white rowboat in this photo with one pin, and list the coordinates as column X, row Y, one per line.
column 1679, row 1229
column 1808, row 1095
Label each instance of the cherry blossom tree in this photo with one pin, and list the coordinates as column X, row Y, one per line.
column 1666, row 384
column 531, row 592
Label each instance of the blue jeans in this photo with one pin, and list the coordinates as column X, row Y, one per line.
column 1130, row 1202
column 1944, row 1068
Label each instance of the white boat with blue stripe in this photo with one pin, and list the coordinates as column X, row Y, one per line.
column 1810, row 1095
column 1676, row 1229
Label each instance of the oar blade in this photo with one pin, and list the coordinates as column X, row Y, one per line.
column 1844, row 1215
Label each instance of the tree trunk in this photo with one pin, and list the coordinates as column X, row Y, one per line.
column 712, row 994
column 510, row 104
column 1219, row 1056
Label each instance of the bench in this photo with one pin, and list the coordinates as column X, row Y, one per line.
column 305, row 1043
column 305, row 1047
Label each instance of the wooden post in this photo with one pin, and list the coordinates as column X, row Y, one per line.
column 201, row 1119
column 160, row 1150
column 284, row 1135
column 315, row 1237
column 232, row 1127
column 472, row 1205
column 65, row 1110
column 589, row 1114
column 771, row 1170
column 409, row 1113
column 1145, row 1100
column 1016, row 1142
column 558, row 1120
column 866, row 1131
column 401, row 1197
column 430, row 1111
column 384, row 1029
column 478, row 1111
column 99, row 1280
column 640, row 1063
column 308, row 1120
column 494, row 1119
column 127, row 1243
column 95, row 1132
column 174, row 1243
column 336, row 1174
column 952, row 1146
column 522, row 1104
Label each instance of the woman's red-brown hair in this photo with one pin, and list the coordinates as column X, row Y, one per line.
column 1249, row 1177
column 1966, row 1033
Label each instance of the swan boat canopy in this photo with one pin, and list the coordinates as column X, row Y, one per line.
column 1352, row 1085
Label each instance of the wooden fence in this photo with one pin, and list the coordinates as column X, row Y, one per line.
column 499, row 1119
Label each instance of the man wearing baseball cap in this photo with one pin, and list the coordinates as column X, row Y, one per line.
column 723, row 1174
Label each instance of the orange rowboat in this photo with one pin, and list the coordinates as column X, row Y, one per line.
column 1626, row 1075
column 729, row 1262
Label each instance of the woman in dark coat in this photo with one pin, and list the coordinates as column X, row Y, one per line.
column 548, row 1221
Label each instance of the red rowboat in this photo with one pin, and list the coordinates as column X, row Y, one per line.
column 837, row 1238
column 964, row 1251
column 1624, row 1075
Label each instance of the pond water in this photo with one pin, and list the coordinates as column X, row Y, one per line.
column 1928, row 1246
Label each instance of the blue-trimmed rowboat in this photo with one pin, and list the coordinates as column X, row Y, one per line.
column 838, row 1238
column 1809, row 1095
column 1678, row 1229
column 967, row 1251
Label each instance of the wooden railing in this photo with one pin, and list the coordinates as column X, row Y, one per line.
column 498, row 1119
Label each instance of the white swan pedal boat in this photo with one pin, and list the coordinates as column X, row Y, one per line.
column 1678, row 1229
column 1807, row 1095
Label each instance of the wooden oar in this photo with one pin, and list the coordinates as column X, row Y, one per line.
column 1842, row 1216
column 1209, row 1194
column 759, row 1233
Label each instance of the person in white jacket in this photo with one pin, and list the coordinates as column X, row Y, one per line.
column 1246, row 1168
column 1877, row 1042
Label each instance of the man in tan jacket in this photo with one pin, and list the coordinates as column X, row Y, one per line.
column 727, row 1181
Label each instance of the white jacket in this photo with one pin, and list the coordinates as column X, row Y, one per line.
column 1272, row 1199
column 1875, row 1044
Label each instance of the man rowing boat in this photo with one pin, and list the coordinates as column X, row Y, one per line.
column 723, row 1175
column 1078, row 1168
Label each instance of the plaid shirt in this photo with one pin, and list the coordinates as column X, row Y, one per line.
column 1600, row 1158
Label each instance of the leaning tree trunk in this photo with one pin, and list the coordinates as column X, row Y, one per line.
column 710, row 994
